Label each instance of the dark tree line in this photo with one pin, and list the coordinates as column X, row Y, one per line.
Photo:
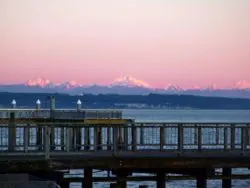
column 108, row 100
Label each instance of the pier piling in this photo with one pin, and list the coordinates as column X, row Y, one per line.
column 88, row 178
column 160, row 180
column 227, row 183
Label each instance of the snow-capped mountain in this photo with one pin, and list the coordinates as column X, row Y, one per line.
column 40, row 82
column 45, row 83
column 125, row 85
column 129, row 81
column 243, row 84
column 173, row 87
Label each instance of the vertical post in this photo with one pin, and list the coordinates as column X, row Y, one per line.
column 248, row 134
column 78, row 135
column 64, row 184
column 125, row 137
column 134, row 137
column 52, row 115
column 115, row 139
column 201, row 181
column 12, row 132
column 39, row 135
column 52, row 138
column 160, row 180
column 199, row 138
column 121, row 179
column 86, row 139
column 109, row 147
column 162, row 137
column 47, row 141
column 141, row 135
column 26, row 138
column 88, row 178
column 217, row 132
column 227, row 183
column 112, row 185
column 69, row 139
column 225, row 138
column 195, row 134
column 180, row 138
column 99, row 138
column 62, row 138
column 95, row 138
column 232, row 136
column 52, row 104
column 120, row 138
column 243, row 139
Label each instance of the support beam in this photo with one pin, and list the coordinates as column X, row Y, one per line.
column 160, row 180
column 112, row 185
column 121, row 177
column 78, row 137
column 88, row 178
column 201, row 181
column 64, row 184
column 39, row 138
column 227, row 183
column 12, row 132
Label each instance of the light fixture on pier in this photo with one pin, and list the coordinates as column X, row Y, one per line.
column 38, row 104
column 13, row 103
column 79, row 105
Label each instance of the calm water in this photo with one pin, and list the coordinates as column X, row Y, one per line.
column 184, row 116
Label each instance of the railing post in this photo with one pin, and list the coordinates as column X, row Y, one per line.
column 47, row 141
column 39, row 135
column 232, row 136
column 225, row 138
column 134, row 136
column 62, row 138
column 125, row 136
column 68, row 139
column 78, row 135
column 199, row 138
column 141, row 135
column 162, row 137
column 217, row 134
column 243, row 139
column 26, row 138
column 12, row 132
column 109, row 146
column 96, row 139
column 115, row 138
column 248, row 134
column 86, row 139
column 180, row 139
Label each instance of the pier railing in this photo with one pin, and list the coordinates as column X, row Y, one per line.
column 65, row 138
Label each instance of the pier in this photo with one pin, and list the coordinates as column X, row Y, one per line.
column 43, row 142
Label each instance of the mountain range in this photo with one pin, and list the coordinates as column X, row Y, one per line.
column 127, row 85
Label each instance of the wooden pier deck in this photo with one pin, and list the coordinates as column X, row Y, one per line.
column 38, row 145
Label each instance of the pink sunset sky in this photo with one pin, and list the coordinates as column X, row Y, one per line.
column 195, row 42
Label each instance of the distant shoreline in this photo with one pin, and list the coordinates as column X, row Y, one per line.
column 115, row 101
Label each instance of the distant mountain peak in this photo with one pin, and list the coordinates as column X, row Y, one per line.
column 39, row 81
column 243, row 84
column 173, row 87
column 130, row 81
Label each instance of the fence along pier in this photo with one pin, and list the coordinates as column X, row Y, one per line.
column 42, row 142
